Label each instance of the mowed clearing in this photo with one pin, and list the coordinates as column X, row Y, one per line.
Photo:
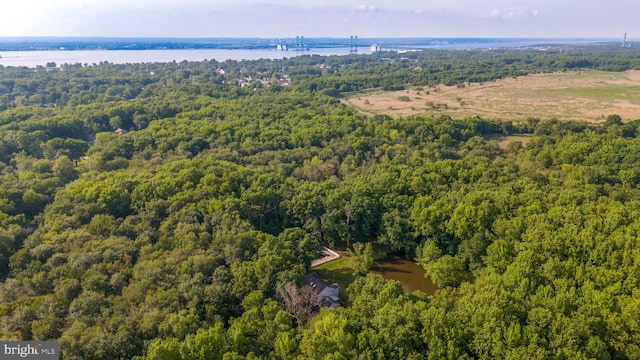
column 581, row 96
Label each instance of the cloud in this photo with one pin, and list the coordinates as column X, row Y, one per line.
column 514, row 13
column 365, row 8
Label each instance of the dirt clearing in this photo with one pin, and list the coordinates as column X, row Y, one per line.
column 581, row 96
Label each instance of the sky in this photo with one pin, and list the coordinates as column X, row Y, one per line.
column 326, row 18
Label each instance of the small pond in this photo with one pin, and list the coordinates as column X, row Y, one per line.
column 407, row 272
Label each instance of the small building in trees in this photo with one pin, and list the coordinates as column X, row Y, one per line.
column 304, row 301
column 328, row 294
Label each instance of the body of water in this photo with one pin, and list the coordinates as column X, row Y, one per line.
column 90, row 57
column 41, row 57
column 407, row 272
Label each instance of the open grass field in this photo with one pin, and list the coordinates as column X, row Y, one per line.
column 337, row 271
column 580, row 96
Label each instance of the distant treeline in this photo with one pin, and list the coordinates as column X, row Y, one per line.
column 105, row 43
column 97, row 43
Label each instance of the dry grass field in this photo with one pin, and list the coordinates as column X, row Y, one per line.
column 582, row 96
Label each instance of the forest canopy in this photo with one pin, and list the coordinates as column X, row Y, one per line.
column 158, row 210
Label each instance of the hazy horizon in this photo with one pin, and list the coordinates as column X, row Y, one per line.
column 346, row 37
column 330, row 19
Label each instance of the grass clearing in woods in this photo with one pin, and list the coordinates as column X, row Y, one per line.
column 337, row 271
column 579, row 96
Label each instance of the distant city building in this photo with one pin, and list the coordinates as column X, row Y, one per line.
column 281, row 47
column 375, row 48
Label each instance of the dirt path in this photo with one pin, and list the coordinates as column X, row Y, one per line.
column 328, row 255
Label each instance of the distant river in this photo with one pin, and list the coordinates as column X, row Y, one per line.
column 35, row 58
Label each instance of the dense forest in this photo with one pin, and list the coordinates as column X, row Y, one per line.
column 174, row 237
